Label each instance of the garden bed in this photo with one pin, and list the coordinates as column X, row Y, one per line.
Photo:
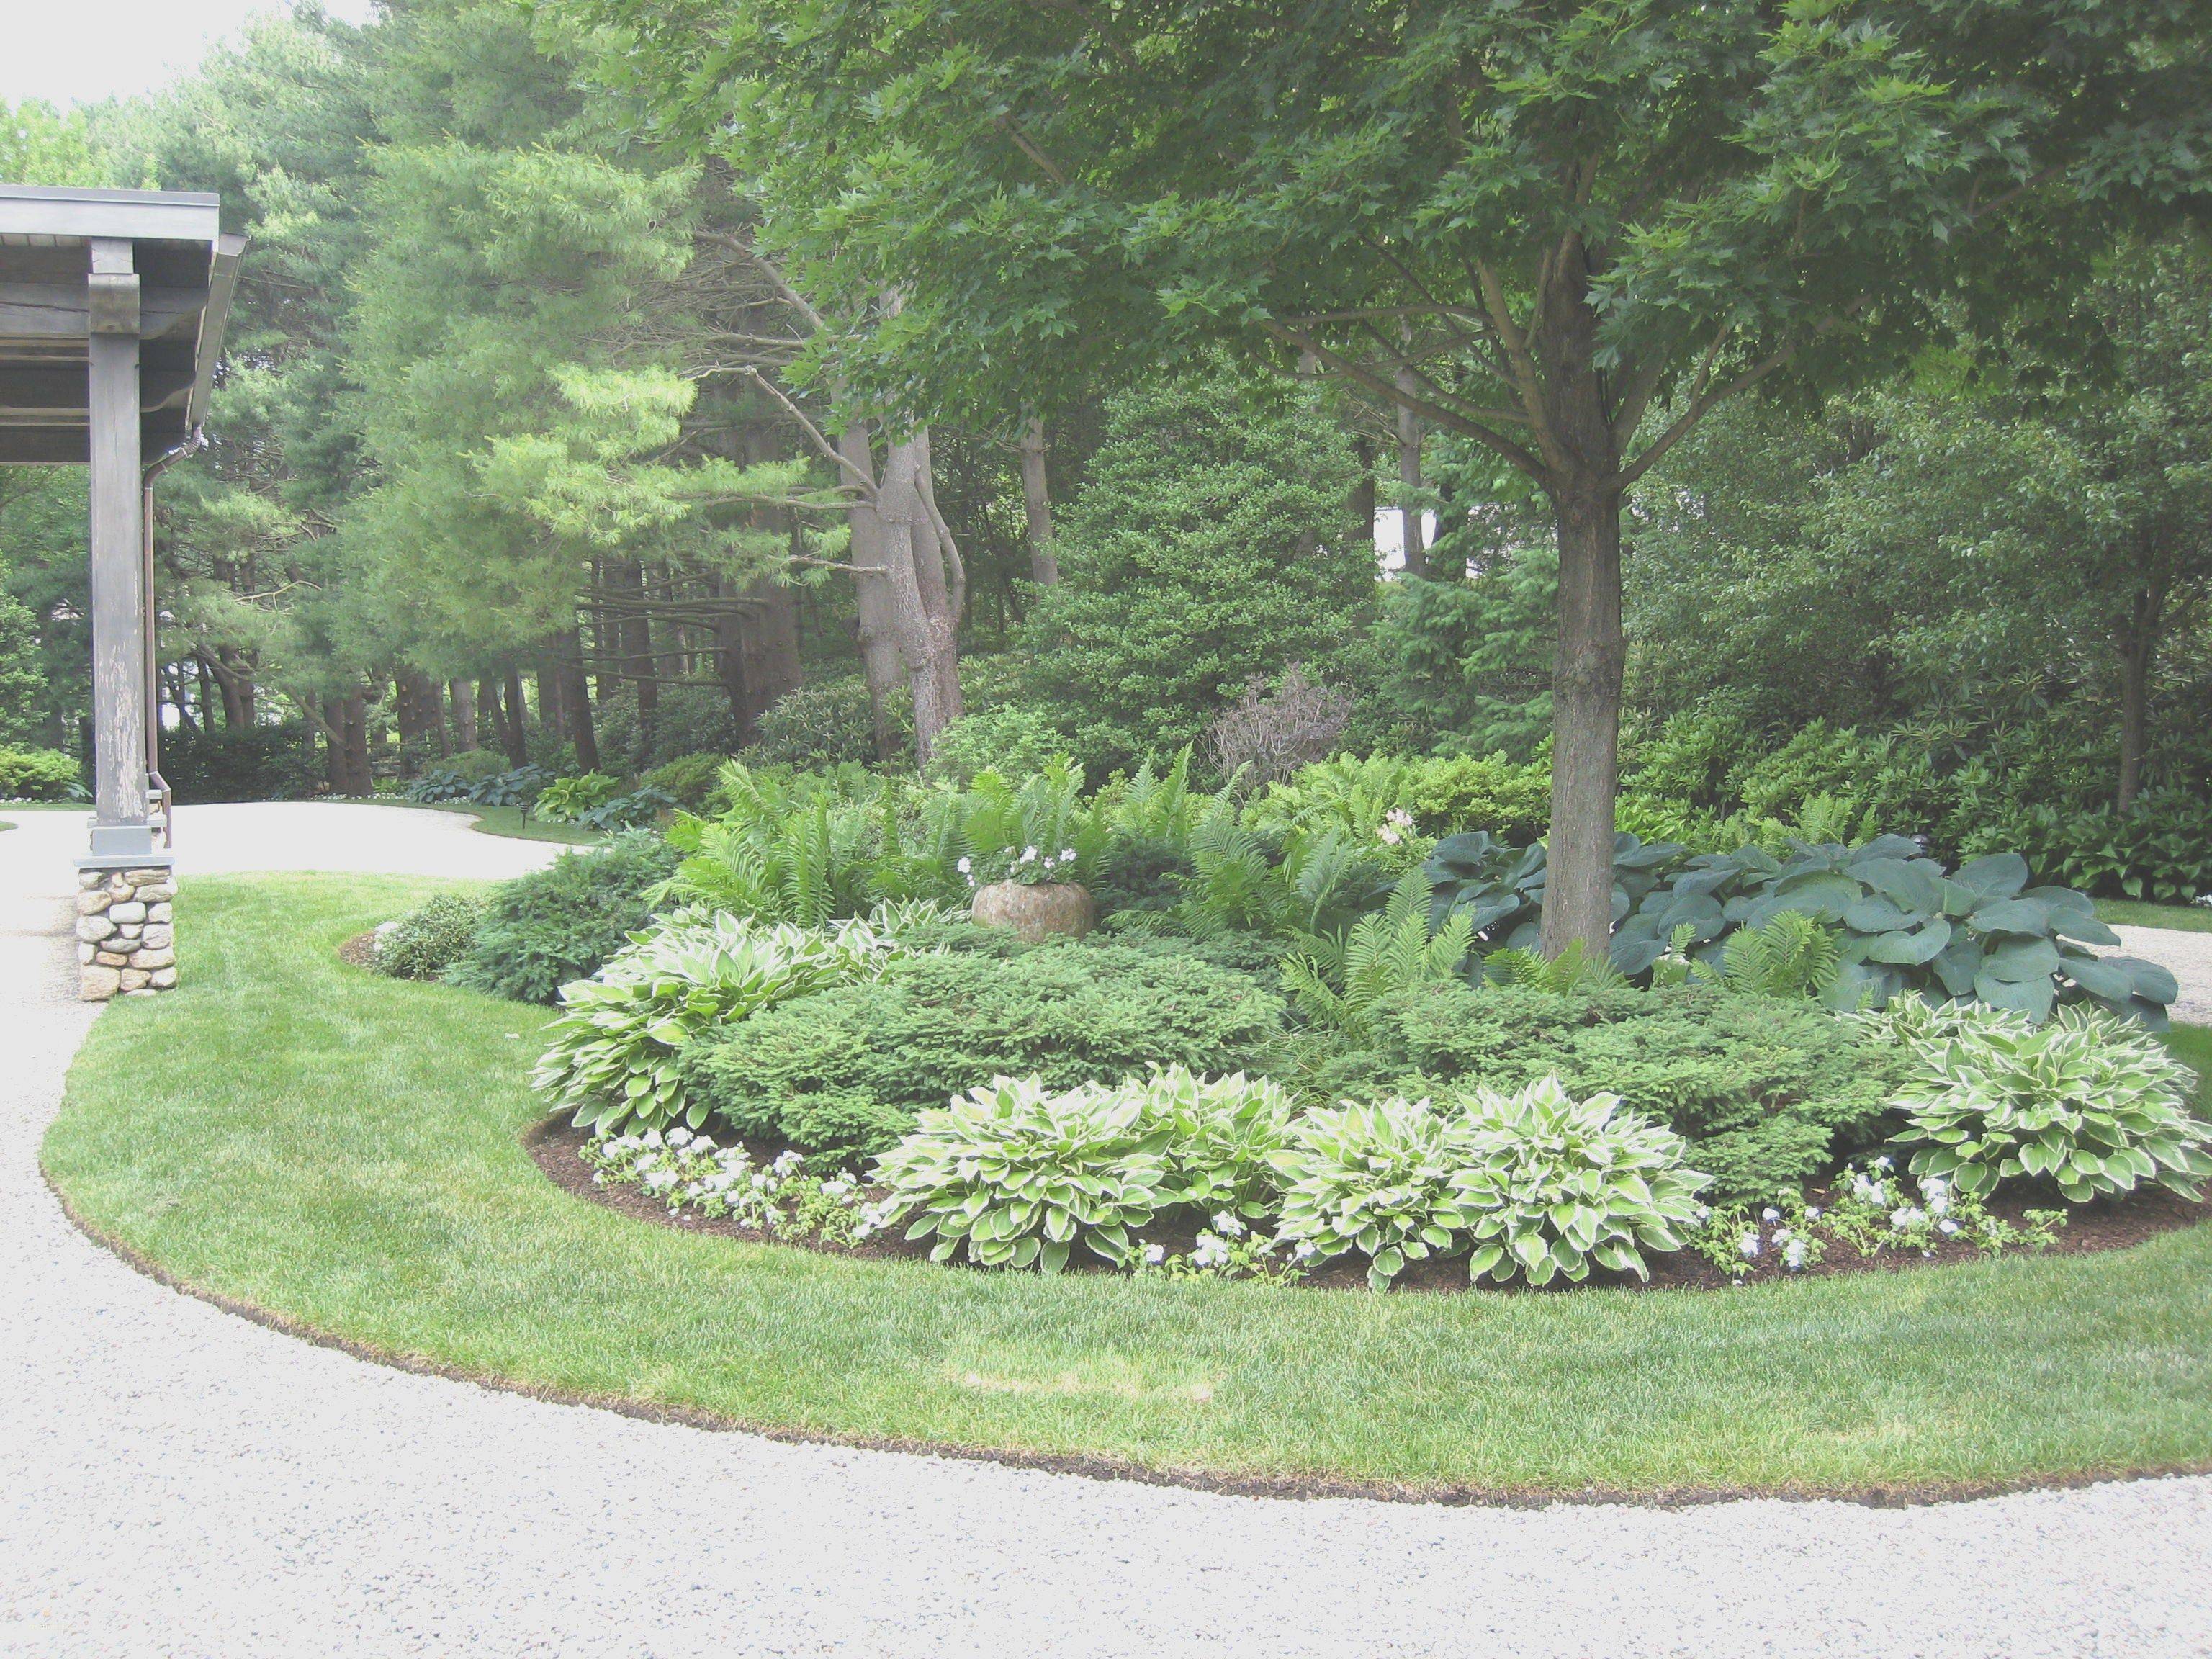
column 557, row 1146
column 341, row 1154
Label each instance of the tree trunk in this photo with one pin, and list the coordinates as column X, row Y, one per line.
column 334, row 744
column 550, row 712
column 463, row 694
column 515, row 729
column 1363, row 494
column 491, row 725
column 638, row 661
column 768, row 647
column 576, row 699
column 1413, row 534
column 879, row 631
column 921, row 567
column 1036, row 502
column 2139, row 642
column 1586, row 677
column 359, row 780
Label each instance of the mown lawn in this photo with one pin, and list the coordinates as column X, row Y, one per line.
column 344, row 1150
column 2128, row 913
column 499, row 820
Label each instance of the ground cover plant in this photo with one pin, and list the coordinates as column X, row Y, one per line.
column 321, row 1122
column 851, row 1069
column 558, row 924
column 615, row 1054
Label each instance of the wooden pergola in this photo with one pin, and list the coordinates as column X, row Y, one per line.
column 112, row 304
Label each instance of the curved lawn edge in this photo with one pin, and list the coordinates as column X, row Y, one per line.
column 1279, row 1488
column 339, row 1157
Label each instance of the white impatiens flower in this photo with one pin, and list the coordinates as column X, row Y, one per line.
column 680, row 1136
column 1029, row 855
column 1794, row 1257
column 1155, row 1254
column 1782, row 1235
column 1749, row 1246
column 1905, row 1218
column 1067, row 855
column 1947, row 1226
column 965, row 864
column 1769, row 1215
column 1212, row 1251
column 1228, row 1225
column 1812, row 1212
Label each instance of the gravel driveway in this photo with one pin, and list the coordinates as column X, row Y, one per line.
column 177, row 1482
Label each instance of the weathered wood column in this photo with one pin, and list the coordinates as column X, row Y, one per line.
column 119, row 647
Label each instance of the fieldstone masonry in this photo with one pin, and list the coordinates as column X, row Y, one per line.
column 125, row 932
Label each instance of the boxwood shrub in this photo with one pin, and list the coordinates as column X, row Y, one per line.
column 1769, row 1092
column 851, row 1069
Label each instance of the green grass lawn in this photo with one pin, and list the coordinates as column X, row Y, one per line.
column 342, row 1150
column 500, row 821
column 2188, row 918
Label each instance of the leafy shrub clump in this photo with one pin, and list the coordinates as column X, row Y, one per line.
column 2091, row 1103
column 1534, row 1184
column 687, row 781
column 429, row 940
column 1557, row 1185
column 851, row 1069
column 829, row 724
column 557, row 924
column 1768, row 1091
column 1017, row 1174
column 1220, row 1135
column 38, row 775
column 1977, row 933
column 1375, row 1176
column 616, row 1051
column 565, row 799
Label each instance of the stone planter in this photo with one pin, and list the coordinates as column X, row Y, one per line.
column 1044, row 910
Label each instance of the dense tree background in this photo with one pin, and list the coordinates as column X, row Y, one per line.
column 524, row 443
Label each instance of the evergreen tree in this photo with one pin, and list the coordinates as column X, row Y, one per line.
column 1211, row 543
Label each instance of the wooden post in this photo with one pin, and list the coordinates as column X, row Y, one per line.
column 119, row 594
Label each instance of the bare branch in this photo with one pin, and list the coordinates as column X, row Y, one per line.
column 866, row 484
column 1698, row 406
column 1383, row 387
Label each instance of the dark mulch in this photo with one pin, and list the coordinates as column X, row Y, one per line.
column 556, row 1146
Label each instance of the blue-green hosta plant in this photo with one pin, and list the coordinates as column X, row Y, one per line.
column 1553, row 1186
column 2090, row 1102
column 1978, row 934
column 1219, row 1134
column 614, row 1055
column 1018, row 1175
column 1376, row 1176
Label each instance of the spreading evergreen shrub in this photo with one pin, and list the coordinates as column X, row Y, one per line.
column 38, row 775
column 430, row 939
column 1769, row 1092
column 689, row 780
column 851, row 1069
column 557, row 924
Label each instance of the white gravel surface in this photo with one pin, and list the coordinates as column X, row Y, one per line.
column 177, row 1482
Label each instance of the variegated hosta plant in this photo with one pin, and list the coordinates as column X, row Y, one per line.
column 615, row 1056
column 1018, row 1175
column 2091, row 1103
column 1220, row 1131
column 1374, row 1176
column 1553, row 1186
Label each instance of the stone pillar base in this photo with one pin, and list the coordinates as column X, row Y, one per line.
column 125, row 928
